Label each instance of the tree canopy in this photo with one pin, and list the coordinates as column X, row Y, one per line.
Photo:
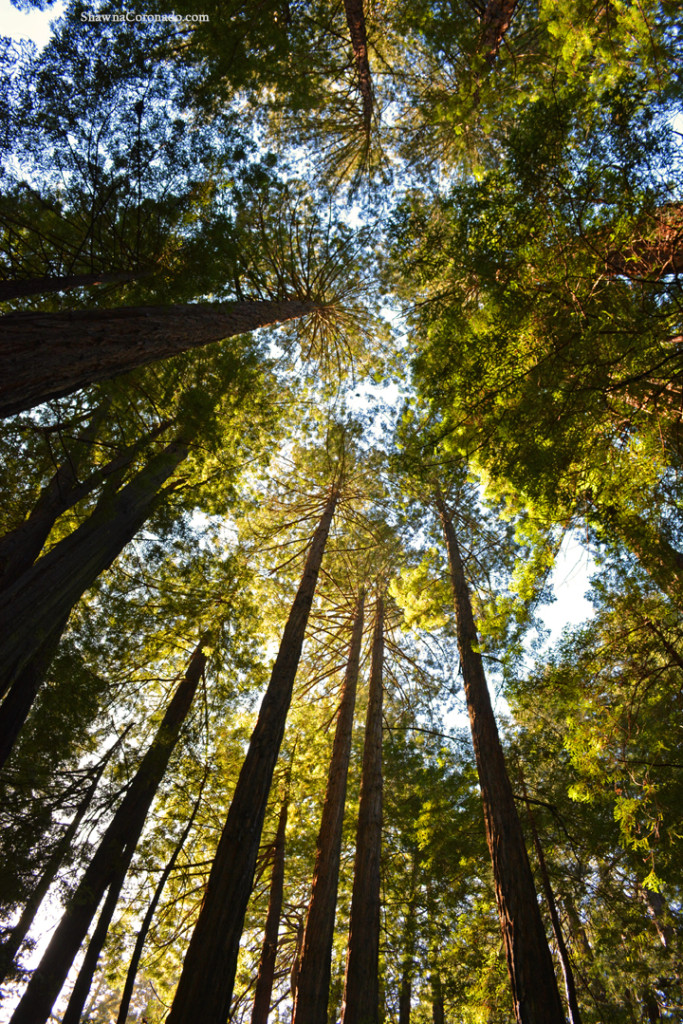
column 324, row 326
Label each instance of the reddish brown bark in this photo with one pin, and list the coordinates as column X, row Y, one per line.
column 355, row 19
column 113, row 855
column 535, row 993
column 313, row 977
column 266, row 972
column 47, row 355
column 495, row 22
column 208, row 973
column 360, row 1004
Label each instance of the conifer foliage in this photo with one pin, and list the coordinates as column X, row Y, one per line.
column 327, row 328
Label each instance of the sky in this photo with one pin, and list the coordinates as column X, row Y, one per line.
column 34, row 25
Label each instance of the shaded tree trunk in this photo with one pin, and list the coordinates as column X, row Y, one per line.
column 79, row 994
column 34, row 608
column 208, row 973
column 13, row 943
column 535, row 993
column 112, row 857
column 563, row 952
column 355, row 19
column 151, row 910
column 313, row 980
column 266, row 971
column 437, row 999
column 48, row 355
column 17, row 705
column 360, row 1004
column 20, row 548
column 42, row 285
column 408, row 964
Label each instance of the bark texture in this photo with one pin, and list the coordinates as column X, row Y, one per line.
column 360, row 1004
column 47, row 355
column 535, row 993
column 313, row 979
column 208, row 973
column 495, row 22
column 355, row 19
column 266, row 972
column 112, row 857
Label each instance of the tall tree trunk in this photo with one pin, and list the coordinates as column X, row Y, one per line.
column 437, row 999
column 360, row 1004
column 266, row 971
column 208, row 973
column 567, row 973
column 151, row 910
column 112, row 857
column 535, row 993
column 408, row 963
column 12, row 944
column 79, row 993
column 35, row 606
column 355, row 19
column 18, row 288
column 20, row 548
column 313, row 980
column 47, row 355
column 16, row 706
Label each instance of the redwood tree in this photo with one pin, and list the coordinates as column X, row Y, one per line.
column 34, row 611
column 112, row 857
column 535, row 993
column 266, row 971
column 208, row 973
column 361, row 985
column 313, row 979
column 47, row 355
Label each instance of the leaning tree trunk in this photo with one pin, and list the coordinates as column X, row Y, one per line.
column 14, row 940
column 47, row 355
column 129, row 984
column 266, row 971
column 113, row 855
column 16, row 706
column 20, row 548
column 360, row 1004
column 208, row 973
column 313, row 979
column 535, row 993
column 38, row 604
column 79, row 993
